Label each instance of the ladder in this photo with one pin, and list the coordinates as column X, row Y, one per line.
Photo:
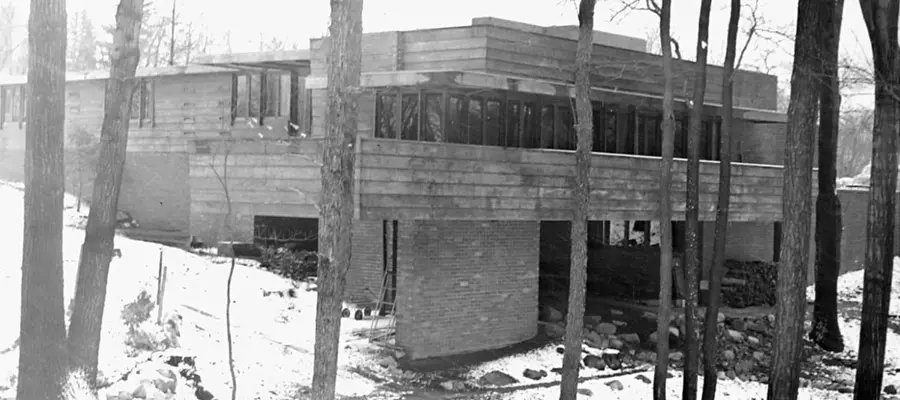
column 383, row 333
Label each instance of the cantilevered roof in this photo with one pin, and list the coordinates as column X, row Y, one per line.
column 75, row 76
column 492, row 81
column 291, row 60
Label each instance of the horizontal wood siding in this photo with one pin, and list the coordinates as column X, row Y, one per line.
column 379, row 53
column 529, row 54
column 419, row 180
column 276, row 180
column 365, row 119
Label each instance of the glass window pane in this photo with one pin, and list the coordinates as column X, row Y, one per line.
column 547, row 116
column 255, row 91
column 565, row 132
column 243, row 96
column 513, row 118
column 410, row 129
column 493, row 120
column 273, row 95
column 476, row 121
column 386, row 120
column 456, row 120
column 531, row 132
column 434, row 115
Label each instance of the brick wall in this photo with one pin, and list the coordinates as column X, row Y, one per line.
column 466, row 286
column 367, row 261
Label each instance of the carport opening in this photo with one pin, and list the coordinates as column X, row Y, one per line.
column 286, row 232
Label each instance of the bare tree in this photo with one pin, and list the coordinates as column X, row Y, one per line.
column 826, row 332
column 717, row 269
column 881, row 21
column 344, row 68
column 582, row 201
column 784, row 382
column 665, row 207
column 42, row 356
column 97, row 250
column 692, row 210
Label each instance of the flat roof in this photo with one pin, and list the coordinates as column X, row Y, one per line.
column 281, row 59
column 75, row 76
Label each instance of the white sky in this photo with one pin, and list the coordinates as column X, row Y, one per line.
column 299, row 20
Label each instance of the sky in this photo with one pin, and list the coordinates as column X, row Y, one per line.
column 298, row 20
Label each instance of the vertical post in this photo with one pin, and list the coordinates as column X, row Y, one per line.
column 160, row 288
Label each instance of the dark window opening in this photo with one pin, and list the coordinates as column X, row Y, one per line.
column 493, row 123
column 457, row 113
column 386, row 119
column 286, row 232
column 434, row 116
column 294, row 113
column 547, row 122
column 410, row 126
column 531, row 131
column 476, row 120
column 513, row 125
column 565, row 129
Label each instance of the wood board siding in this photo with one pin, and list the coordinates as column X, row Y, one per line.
column 263, row 178
column 420, row 180
column 505, row 50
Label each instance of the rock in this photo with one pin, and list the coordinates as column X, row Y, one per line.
column 453, row 386
column 615, row 312
column 755, row 326
column 720, row 318
column 738, row 324
column 676, row 356
column 643, row 378
column 497, row 378
column 612, row 361
column 735, row 335
column 721, row 375
column 585, row 392
column 631, row 338
column 550, row 314
column 535, row 375
column 387, row 362
column 890, row 389
column 616, row 343
column 592, row 361
column 728, row 355
column 646, row 356
column 730, row 375
column 845, row 389
column 743, row 366
column 619, row 323
column 615, row 385
column 555, row 330
column 593, row 337
column 673, row 331
column 648, row 315
column 605, row 328
column 758, row 355
column 753, row 340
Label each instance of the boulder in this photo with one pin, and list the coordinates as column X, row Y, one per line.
column 605, row 328
column 550, row 314
column 497, row 378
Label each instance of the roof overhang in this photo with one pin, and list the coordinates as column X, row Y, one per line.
column 491, row 81
column 284, row 60
column 76, row 76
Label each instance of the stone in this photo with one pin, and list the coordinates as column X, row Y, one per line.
column 497, row 378
column 453, row 386
column 619, row 323
column 643, row 378
column 743, row 366
column 721, row 375
column 550, row 314
column 615, row 385
column 720, row 318
column 613, row 361
column 615, row 343
column 757, row 327
column 730, row 375
column 728, row 355
column 631, row 338
column 738, row 324
column 592, row 361
column 615, row 312
column 555, row 330
column 534, row 375
column 758, row 355
column 648, row 315
column 735, row 335
column 646, row 356
column 605, row 328
column 676, row 356
column 585, row 392
column 673, row 331
column 387, row 362
column 753, row 340
column 593, row 337
column 890, row 389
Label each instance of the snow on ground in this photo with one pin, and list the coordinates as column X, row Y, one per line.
column 272, row 342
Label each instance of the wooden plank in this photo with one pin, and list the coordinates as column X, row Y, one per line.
column 283, row 210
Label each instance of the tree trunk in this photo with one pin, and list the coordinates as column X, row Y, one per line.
column 42, row 325
column 797, row 205
column 825, row 329
column 717, row 269
column 96, row 252
column 344, row 67
column 582, row 201
column 881, row 21
column 692, row 212
column 665, row 208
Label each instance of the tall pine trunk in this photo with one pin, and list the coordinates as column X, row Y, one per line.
column 717, row 269
column 42, row 357
column 96, row 252
column 665, row 208
column 344, row 68
column 692, row 211
column 825, row 329
column 881, row 21
column 784, row 382
column 582, row 201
